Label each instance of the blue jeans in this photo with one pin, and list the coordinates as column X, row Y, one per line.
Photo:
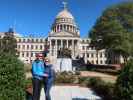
column 47, row 87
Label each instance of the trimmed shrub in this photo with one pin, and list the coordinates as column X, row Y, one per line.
column 105, row 90
column 12, row 79
column 65, row 77
column 124, row 85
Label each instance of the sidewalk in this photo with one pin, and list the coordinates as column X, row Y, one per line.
column 71, row 93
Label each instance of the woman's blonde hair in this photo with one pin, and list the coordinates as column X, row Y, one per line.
column 47, row 59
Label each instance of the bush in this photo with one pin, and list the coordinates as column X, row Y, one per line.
column 28, row 82
column 77, row 73
column 27, row 68
column 12, row 79
column 124, row 84
column 105, row 90
column 65, row 77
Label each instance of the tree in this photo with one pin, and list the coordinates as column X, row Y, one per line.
column 124, row 84
column 64, row 53
column 114, row 29
column 8, row 43
column 12, row 79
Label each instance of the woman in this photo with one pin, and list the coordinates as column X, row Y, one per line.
column 38, row 72
column 50, row 79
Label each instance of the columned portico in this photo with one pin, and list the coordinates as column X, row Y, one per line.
column 57, row 43
column 63, row 36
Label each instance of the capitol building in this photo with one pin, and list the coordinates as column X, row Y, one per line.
column 64, row 33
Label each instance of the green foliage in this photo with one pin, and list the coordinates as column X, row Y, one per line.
column 114, row 29
column 124, row 84
column 65, row 53
column 65, row 77
column 105, row 90
column 84, row 81
column 12, row 79
column 28, row 82
column 8, row 44
column 77, row 72
column 27, row 68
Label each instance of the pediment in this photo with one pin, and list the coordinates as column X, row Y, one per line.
column 60, row 34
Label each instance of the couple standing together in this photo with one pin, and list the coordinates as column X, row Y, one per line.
column 43, row 73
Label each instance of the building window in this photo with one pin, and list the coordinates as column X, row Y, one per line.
column 28, row 40
column 32, row 40
column 27, row 47
column 96, row 61
column 101, row 55
column 18, row 46
column 40, row 47
column 23, row 40
column 27, row 54
column 32, row 54
column 19, row 40
column 41, row 40
column 36, row 46
column 88, row 55
column 22, row 54
column 88, row 47
column 92, row 55
column 31, row 46
column 92, row 61
column 105, row 54
column 101, row 62
column 36, row 40
column 83, row 48
column 23, row 47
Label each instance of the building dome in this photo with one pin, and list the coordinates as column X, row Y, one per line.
column 64, row 24
column 65, row 14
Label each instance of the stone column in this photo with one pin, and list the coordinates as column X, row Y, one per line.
column 59, row 28
column 67, row 43
column 68, row 27
column 61, row 43
column 63, row 27
column 73, row 48
column 72, row 29
column 55, row 47
column 50, row 48
column 56, row 28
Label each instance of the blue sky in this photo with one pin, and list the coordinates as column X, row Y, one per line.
column 36, row 16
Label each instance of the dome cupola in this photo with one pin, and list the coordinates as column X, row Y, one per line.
column 64, row 14
column 65, row 22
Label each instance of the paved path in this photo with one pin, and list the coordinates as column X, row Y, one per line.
column 71, row 93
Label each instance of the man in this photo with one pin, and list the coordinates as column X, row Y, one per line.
column 38, row 73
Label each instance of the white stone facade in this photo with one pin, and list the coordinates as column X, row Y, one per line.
column 64, row 34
